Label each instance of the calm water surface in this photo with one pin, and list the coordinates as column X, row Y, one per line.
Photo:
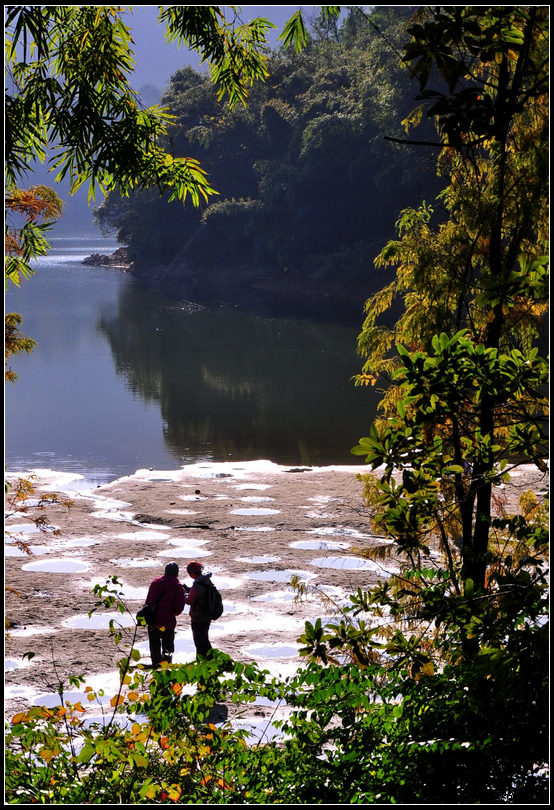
column 124, row 378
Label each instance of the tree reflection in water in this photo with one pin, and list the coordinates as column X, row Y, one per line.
column 232, row 384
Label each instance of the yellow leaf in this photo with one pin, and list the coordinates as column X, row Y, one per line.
column 175, row 793
column 133, row 695
column 117, row 700
column 177, row 688
column 46, row 754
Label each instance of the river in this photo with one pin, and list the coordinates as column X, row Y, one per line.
column 123, row 378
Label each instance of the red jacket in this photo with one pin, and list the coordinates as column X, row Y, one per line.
column 196, row 598
column 169, row 596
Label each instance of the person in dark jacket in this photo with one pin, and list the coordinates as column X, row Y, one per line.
column 199, row 617
column 168, row 595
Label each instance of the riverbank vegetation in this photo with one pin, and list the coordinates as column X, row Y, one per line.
column 430, row 688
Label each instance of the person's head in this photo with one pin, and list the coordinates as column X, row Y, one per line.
column 194, row 569
column 172, row 570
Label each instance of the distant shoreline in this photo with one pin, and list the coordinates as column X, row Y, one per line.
column 119, row 259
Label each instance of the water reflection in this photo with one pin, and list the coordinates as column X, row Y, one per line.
column 240, row 385
column 128, row 379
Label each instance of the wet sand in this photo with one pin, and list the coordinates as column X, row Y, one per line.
column 253, row 525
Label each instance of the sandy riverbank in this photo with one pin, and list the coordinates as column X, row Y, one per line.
column 253, row 525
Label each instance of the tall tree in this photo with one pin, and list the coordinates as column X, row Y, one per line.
column 465, row 404
column 480, row 269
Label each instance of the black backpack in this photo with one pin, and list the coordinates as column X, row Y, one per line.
column 214, row 602
column 148, row 613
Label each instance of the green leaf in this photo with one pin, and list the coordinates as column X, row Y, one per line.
column 86, row 753
column 295, row 32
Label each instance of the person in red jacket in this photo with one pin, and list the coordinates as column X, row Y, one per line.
column 168, row 595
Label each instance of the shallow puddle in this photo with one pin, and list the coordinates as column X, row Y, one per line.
column 132, row 562
column 253, row 486
column 15, row 663
column 255, row 511
column 123, row 517
column 14, row 690
column 144, row 535
column 255, row 529
column 188, row 552
column 275, row 596
column 187, row 541
column 185, row 651
column 271, row 651
column 319, row 545
column 342, row 531
column 347, row 563
column 52, row 699
column 27, row 528
column 25, row 632
column 132, row 593
column 121, row 720
column 251, row 622
column 258, row 731
column 261, row 559
column 14, row 551
column 79, row 542
column 57, row 566
column 223, row 582
column 98, row 621
column 280, row 576
column 181, row 512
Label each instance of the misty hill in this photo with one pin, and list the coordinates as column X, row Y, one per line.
column 309, row 189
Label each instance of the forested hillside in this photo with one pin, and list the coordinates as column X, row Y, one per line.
column 309, row 189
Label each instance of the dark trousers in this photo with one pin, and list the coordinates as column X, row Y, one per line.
column 200, row 637
column 162, row 645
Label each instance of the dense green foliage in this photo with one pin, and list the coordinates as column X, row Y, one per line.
column 69, row 69
column 388, row 731
column 470, row 397
column 307, row 183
